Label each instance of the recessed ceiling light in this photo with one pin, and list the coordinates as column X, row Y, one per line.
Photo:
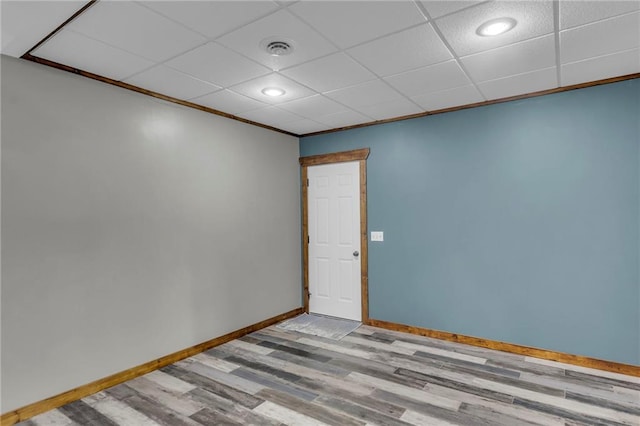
column 273, row 91
column 496, row 27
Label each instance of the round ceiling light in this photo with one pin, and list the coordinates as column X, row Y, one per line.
column 273, row 91
column 496, row 27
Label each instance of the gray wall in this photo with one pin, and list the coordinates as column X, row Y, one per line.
column 132, row 228
column 515, row 222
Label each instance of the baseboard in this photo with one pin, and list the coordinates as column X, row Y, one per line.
column 59, row 400
column 583, row 361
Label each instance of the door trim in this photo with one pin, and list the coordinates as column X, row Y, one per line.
column 359, row 155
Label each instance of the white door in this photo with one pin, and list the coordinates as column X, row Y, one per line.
column 333, row 198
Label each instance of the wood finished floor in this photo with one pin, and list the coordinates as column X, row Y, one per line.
column 372, row 376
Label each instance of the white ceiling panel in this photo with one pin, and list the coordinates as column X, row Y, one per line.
column 600, row 38
column 519, row 84
column 307, row 43
column 621, row 63
column 78, row 51
column 42, row 16
column 213, row 19
column 433, row 78
column 448, row 98
column 437, row 9
column 170, row 82
column 304, row 126
column 136, row 29
column 228, row 101
column 517, row 58
column 329, row 73
column 218, row 65
column 365, row 94
column 253, row 89
column 574, row 13
column 348, row 23
column 313, row 106
column 398, row 108
column 271, row 115
column 409, row 49
column 343, row 118
column 534, row 18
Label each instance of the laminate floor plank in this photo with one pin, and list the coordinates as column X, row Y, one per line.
column 51, row 418
column 579, row 371
column 314, row 410
column 224, row 391
column 462, row 417
column 286, row 415
column 610, row 393
column 117, row 411
column 275, row 384
column 83, row 414
column 372, row 376
column 311, row 364
column 351, row 392
column 228, row 409
column 361, row 413
column 460, row 386
column 157, row 412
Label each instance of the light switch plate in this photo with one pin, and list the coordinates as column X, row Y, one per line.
column 377, row 236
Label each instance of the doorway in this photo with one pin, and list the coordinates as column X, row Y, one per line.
column 335, row 252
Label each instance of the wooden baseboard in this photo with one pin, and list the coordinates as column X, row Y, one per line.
column 59, row 400
column 583, row 361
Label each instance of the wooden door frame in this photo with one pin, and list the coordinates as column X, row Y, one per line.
column 359, row 155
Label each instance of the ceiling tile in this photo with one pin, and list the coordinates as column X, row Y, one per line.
column 348, row 23
column 173, row 83
column 307, row 43
column 271, row 115
column 213, row 18
column 600, row 38
column 329, row 73
column 305, row 126
column 253, row 89
column 228, row 101
column 437, row 9
column 409, row 49
column 434, row 101
column 313, row 106
column 365, row 94
column 42, row 16
column 393, row 109
column 430, row 79
column 520, row 84
column 517, row 58
column 343, row 119
column 77, row 51
column 617, row 64
column 217, row 64
column 574, row 13
column 136, row 29
column 534, row 18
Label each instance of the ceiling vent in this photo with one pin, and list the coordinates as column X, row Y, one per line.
column 277, row 47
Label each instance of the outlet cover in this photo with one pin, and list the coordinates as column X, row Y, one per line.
column 377, row 236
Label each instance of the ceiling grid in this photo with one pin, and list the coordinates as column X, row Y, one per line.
column 349, row 63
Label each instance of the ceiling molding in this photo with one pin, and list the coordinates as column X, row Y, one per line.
column 484, row 103
column 151, row 93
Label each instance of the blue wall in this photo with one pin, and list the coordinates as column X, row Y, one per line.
column 516, row 222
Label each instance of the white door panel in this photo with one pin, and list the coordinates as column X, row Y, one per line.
column 334, row 240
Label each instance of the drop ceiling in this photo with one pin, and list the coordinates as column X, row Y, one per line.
column 352, row 62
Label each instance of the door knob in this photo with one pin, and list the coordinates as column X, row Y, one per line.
column 356, row 253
